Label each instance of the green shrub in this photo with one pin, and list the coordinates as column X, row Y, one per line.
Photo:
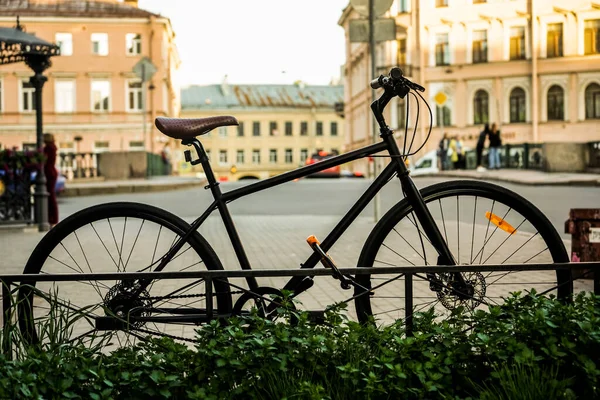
column 529, row 345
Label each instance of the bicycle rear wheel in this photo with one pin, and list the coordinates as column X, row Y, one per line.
column 482, row 224
column 117, row 237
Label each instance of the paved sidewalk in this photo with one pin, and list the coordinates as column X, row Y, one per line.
column 153, row 184
column 527, row 177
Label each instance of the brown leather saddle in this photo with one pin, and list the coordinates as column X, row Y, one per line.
column 189, row 128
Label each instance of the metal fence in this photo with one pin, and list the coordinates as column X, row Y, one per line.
column 409, row 274
column 514, row 156
column 16, row 196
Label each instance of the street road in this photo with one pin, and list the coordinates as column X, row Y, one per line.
column 331, row 197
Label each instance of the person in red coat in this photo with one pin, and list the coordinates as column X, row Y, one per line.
column 51, row 177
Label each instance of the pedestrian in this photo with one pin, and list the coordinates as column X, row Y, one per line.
column 166, row 158
column 51, row 177
column 495, row 143
column 480, row 146
column 456, row 152
column 443, row 149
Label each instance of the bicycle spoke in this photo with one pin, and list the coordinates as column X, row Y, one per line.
column 104, row 245
column 133, row 246
column 398, row 254
column 443, row 220
column 473, row 232
column 116, row 246
column 411, row 246
column 504, row 241
column 458, row 228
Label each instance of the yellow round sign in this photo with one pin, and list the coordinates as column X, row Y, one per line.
column 233, row 169
column 2, row 188
column 441, row 98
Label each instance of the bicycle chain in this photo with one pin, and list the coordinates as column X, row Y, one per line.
column 182, row 296
column 188, row 296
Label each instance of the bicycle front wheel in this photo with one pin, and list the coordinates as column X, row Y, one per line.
column 117, row 237
column 482, row 223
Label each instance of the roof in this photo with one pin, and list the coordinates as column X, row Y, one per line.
column 71, row 8
column 258, row 96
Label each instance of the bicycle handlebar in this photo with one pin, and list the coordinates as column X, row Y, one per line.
column 395, row 78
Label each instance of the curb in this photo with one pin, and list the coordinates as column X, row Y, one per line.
column 118, row 188
column 592, row 182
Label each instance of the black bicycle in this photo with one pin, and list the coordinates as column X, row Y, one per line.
column 450, row 223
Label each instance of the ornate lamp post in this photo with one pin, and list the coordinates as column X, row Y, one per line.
column 18, row 46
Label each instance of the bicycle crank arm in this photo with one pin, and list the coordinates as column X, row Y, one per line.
column 327, row 261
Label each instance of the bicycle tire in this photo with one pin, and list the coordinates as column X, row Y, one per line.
column 165, row 221
column 498, row 195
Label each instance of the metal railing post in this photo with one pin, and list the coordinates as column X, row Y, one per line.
column 6, row 313
column 408, row 303
column 209, row 297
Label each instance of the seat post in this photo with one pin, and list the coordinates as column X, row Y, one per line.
column 203, row 160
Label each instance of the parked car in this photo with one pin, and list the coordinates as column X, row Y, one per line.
column 350, row 174
column 58, row 188
column 428, row 164
column 333, row 172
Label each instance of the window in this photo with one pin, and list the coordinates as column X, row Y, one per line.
column 273, row 128
column 481, row 107
column 100, row 147
column 319, row 128
column 136, row 145
column 556, row 101
column 134, row 44
column 554, row 41
column 591, row 36
column 100, row 96
column 255, row 156
column 239, row 158
column 273, row 155
column 289, row 158
column 592, row 101
column 135, row 98
column 65, row 42
column 442, row 112
column 334, row 131
column 303, row 128
column 222, row 131
column 403, row 6
column 517, row 105
column 27, row 96
column 442, row 49
column 65, row 147
column 64, row 96
column 222, row 157
column 401, row 56
column 100, row 44
column 441, row 3
column 479, row 46
column 517, row 43
column 240, row 129
column 288, row 128
column 256, row 128
column 303, row 155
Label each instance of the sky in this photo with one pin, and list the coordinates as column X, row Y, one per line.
column 256, row 41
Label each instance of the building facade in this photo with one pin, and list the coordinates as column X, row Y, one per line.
column 531, row 66
column 280, row 126
column 93, row 101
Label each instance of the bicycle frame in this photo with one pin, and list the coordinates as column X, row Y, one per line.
column 396, row 166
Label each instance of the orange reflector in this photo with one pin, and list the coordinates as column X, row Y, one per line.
column 500, row 223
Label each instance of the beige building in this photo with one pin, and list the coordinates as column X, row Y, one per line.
column 531, row 66
column 280, row 126
column 92, row 101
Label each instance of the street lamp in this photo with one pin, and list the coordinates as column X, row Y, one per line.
column 18, row 46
